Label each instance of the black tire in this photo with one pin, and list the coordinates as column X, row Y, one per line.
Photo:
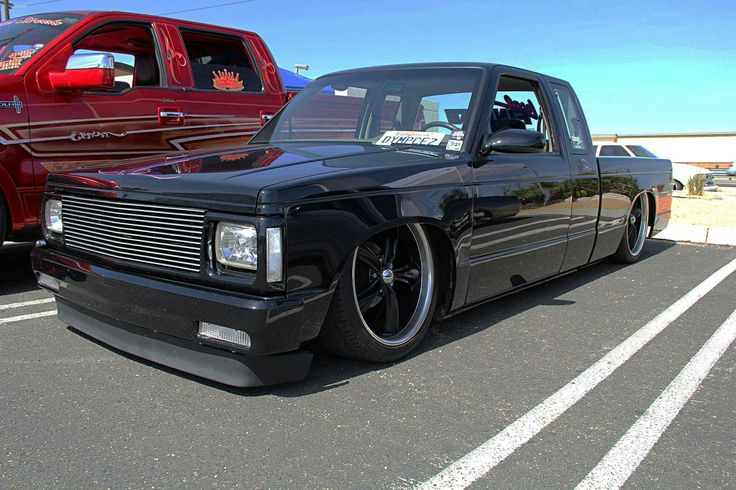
column 635, row 234
column 395, row 308
column 677, row 185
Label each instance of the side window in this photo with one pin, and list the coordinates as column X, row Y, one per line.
column 574, row 125
column 132, row 47
column 220, row 63
column 613, row 151
column 520, row 104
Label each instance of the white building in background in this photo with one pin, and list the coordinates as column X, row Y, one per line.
column 711, row 150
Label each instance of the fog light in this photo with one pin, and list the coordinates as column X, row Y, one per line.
column 224, row 334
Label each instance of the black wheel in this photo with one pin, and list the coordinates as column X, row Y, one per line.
column 385, row 298
column 635, row 235
column 677, row 185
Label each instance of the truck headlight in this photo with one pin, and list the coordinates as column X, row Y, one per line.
column 52, row 213
column 236, row 245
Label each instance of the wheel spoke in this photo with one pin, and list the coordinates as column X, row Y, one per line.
column 392, row 243
column 632, row 235
column 369, row 301
column 369, row 258
column 392, row 322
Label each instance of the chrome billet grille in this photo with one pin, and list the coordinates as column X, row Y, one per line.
column 151, row 234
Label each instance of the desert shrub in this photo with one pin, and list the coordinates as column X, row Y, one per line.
column 695, row 185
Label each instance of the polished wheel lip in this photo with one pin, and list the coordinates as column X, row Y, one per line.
column 641, row 235
column 421, row 309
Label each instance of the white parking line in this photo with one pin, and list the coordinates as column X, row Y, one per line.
column 30, row 316
column 484, row 458
column 617, row 466
column 26, row 303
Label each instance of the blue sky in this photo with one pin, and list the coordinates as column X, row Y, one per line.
column 642, row 66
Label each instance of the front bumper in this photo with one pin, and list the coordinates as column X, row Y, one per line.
column 158, row 319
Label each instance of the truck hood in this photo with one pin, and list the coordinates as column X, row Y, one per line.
column 232, row 180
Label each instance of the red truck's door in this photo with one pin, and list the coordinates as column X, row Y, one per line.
column 230, row 83
column 72, row 129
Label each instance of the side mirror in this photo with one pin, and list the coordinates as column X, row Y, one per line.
column 88, row 71
column 514, row 141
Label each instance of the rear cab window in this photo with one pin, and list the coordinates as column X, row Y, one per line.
column 221, row 62
column 572, row 116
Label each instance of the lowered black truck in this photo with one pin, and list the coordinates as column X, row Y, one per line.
column 376, row 201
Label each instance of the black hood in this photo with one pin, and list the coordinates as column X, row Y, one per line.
column 231, row 180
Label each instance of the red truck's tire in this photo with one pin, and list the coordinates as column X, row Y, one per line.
column 398, row 277
column 635, row 234
column 3, row 220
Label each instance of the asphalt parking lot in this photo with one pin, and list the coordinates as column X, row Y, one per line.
column 76, row 414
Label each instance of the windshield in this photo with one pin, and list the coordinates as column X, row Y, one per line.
column 419, row 107
column 23, row 37
column 640, row 151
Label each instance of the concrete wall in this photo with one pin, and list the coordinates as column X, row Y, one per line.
column 711, row 150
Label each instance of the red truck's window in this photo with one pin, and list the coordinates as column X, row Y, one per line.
column 220, row 63
column 134, row 52
column 21, row 38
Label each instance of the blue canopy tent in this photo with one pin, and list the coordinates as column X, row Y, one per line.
column 293, row 82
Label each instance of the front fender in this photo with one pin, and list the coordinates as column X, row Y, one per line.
column 321, row 235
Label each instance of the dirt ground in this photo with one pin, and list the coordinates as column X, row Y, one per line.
column 710, row 209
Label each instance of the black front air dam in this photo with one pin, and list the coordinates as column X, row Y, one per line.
column 224, row 367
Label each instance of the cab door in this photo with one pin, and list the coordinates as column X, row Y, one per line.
column 71, row 129
column 522, row 207
column 231, row 86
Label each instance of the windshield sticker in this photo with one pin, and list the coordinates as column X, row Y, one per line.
column 12, row 104
column 33, row 20
column 410, row 138
column 17, row 58
column 454, row 145
column 525, row 110
column 225, row 80
column 457, row 135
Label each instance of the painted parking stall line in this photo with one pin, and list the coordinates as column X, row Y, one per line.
column 30, row 316
column 484, row 458
column 617, row 466
column 24, row 304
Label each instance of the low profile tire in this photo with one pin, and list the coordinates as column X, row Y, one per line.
column 635, row 235
column 385, row 299
column 677, row 185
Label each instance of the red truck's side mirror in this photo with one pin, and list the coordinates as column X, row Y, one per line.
column 85, row 71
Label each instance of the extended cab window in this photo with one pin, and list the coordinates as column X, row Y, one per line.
column 132, row 47
column 613, row 151
column 519, row 104
column 574, row 125
column 21, row 38
column 220, row 63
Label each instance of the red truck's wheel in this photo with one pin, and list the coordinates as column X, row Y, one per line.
column 385, row 299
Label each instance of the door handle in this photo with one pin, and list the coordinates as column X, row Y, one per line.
column 170, row 115
column 265, row 117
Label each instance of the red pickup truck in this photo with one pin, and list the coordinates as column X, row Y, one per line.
column 77, row 88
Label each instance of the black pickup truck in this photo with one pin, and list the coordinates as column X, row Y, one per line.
column 377, row 200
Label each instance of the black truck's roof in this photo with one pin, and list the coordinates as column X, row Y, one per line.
column 449, row 64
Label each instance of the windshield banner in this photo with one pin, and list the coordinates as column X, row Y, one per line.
column 410, row 138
